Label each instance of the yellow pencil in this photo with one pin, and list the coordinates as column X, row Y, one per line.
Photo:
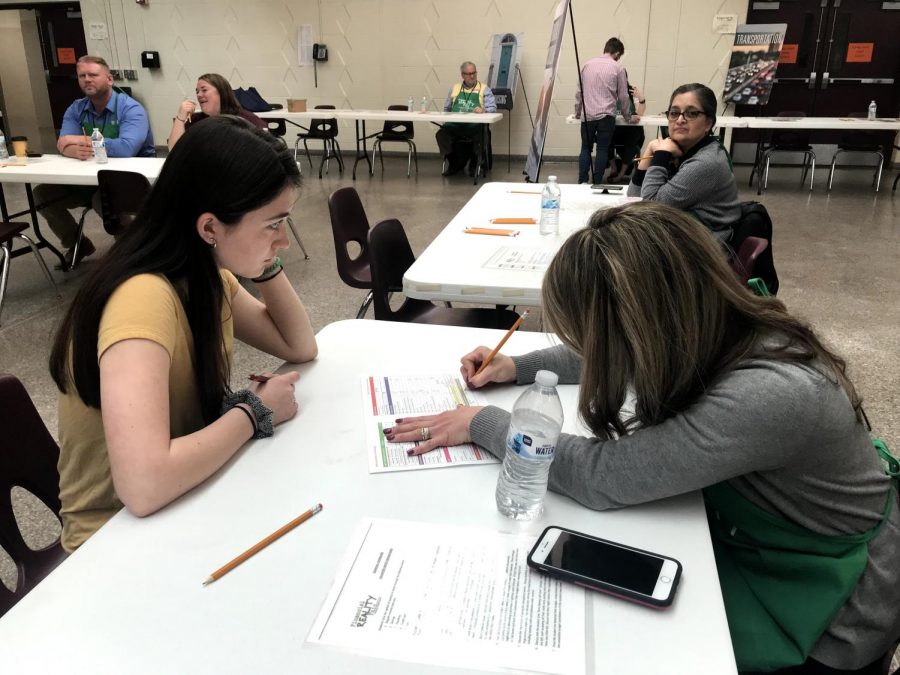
column 253, row 550
column 512, row 329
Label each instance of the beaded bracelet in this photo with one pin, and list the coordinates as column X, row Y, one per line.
column 270, row 272
column 263, row 415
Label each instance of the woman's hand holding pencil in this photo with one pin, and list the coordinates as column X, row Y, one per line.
column 429, row 432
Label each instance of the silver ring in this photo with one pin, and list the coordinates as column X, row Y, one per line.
column 425, row 433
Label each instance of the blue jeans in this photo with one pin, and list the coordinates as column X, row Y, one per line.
column 600, row 132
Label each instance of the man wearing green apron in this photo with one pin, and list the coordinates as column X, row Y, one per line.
column 126, row 130
column 468, row 96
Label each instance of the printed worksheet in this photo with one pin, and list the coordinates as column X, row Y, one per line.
column 387, row 397
column 526, row 259
column 447, row 595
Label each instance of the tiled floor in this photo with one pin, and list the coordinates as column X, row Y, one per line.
column 836, row 255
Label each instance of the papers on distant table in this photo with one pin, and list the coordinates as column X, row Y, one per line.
column 388, row 397
column 519, row 258
column 451, row 596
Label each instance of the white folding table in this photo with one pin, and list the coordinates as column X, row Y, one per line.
column 360, row 117
column 130, row 600
column 59, row 170
column 463, row 267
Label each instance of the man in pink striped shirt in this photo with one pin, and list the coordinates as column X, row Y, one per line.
column 605, row 84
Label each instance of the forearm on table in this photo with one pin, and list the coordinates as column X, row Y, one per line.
column 154, row 477
column 687, row 187
column 558, row 359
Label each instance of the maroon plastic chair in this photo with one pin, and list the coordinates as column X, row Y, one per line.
column 28, row 457
column 745, row 259
column 349, row 225
column 390, row 256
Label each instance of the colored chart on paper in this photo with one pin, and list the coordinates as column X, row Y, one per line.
column 388, row 397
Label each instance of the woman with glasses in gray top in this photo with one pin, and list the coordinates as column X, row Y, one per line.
column 690, row 169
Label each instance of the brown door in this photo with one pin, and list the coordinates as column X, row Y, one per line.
column 62, row 41
column 838, row 55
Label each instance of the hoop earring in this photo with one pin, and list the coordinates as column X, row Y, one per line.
column 212, row 242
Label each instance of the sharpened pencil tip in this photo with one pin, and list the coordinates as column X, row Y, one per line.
column 208, row 581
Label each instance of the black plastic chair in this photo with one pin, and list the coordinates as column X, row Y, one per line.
column 8, row 232
column 390, row 256
column 325, row 130
column 349, row 225
column 866, row 142
column 787, row 140
column 28, row 457
column 122, row 193
column 396, row 132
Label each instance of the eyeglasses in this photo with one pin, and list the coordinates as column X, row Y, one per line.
column 474, row 72
column 690, row 114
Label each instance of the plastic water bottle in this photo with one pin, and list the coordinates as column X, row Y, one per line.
column 537, row 419
column 424, row 106
column 873, row 110
column 99, row 146
column 4, row 153
column 410, row 103
column 550, row 203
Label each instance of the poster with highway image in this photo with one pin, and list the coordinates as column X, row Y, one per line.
column 754, row 60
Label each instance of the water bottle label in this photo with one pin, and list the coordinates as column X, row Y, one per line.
column 529, row 446
column 550, row 204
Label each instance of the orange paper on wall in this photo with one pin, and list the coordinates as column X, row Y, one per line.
column 788, row 53
column 65, row 55
column 860, row 52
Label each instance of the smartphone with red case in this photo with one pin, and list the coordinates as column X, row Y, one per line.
column 606, row 566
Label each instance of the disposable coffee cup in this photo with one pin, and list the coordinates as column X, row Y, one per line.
column 19, row 146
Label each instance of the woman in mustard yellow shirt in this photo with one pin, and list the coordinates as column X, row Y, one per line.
column 143, row 356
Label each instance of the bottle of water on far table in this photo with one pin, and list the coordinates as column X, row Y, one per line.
column 873, row 111
column 537, row 419
column 424, row 106
column 410, row 103
column 4, row 153
column 550, row 203
column 99, row 146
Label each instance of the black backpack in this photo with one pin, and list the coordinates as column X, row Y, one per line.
column 251, row 100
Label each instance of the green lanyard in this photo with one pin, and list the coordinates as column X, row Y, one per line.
column 109, row 128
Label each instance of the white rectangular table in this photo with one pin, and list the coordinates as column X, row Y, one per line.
column 360, row 117
column 722, row 121
column 453, row 267
column 130, row 600
column 59, row 170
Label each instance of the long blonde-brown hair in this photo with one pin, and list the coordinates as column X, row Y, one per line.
column 645, row 296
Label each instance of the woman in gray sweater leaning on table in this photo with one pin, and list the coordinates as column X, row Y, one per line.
column 690, row 169
column 734, row 397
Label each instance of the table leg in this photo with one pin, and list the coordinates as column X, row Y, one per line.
column 3, row 212
column 41, row 242
column 482, row 153
column 362, row 152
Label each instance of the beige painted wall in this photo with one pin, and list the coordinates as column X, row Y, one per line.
column 22, row 78
column 382, row 51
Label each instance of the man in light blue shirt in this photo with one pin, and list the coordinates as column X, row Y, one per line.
column 126, row 131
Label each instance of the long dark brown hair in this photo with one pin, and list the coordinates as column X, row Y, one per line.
column 228, row 103
column 226, row 167
column 645, row 296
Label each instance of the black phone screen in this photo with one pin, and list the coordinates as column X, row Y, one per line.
column 605, row 562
